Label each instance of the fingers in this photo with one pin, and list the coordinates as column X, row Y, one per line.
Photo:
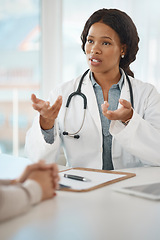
column 52, row 166
column 105, row 107
column 45, row 174
column 35, row 99
column 30, row 168
column 125, row 103
column 51, row 113
column 57, row 105
column 54, row 172
column 55, row 175
column 111, row 115
column 44, row 108
column 52, row 184
column 55, row 169
column 33, row 167
column 127, row 110
column 37, row 103
column 41, row 162
column 45, row 180
column 41, row 106
column 124, row 113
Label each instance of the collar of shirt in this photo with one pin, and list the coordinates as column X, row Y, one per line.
column 119, row 84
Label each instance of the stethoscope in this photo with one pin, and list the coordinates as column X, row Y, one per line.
column 79, row 93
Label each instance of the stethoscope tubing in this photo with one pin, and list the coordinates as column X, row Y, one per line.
column 130, row 90
column 79, row 93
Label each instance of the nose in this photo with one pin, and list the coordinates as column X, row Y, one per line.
column 95, row 50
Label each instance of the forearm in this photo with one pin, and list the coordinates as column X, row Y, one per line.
column 17, row 199
column 139, row 138
column 5, row 182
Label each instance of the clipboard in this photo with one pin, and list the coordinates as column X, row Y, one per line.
column 99, row 178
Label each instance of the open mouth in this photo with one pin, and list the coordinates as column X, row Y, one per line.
column 95, row 60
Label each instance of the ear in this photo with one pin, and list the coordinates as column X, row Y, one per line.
column 123, row 49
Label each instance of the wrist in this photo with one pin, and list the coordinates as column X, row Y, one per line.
column 34, row 190
column 128, row 118
column 46, row 123
column 14, row 181
column 126, row 122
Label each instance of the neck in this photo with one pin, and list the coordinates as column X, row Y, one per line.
column 106, row 80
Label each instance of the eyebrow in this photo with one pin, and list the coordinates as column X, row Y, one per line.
column 101, row 37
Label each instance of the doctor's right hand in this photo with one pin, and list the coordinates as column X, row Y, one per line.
column 48, row 113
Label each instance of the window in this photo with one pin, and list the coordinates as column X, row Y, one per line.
column 20, row 53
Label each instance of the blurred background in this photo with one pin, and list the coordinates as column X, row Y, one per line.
column 40, row 47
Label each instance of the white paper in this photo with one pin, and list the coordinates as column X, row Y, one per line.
column 95, row 178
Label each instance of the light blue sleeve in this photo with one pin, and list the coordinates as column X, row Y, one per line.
column 48, row 135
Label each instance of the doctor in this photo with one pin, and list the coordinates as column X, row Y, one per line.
column 110, row 133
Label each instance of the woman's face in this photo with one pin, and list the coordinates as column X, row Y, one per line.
column 103, row 48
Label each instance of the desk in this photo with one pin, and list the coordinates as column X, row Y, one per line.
column 102, row 214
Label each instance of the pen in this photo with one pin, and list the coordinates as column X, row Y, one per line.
column 63, row 186
column 79, row 178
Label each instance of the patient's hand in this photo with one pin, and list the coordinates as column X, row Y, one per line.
column 46, row 181
column 45, row 174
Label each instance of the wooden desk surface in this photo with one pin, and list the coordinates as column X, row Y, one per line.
column 101, row 214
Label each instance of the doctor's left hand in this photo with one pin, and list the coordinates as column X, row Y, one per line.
column 123, row 114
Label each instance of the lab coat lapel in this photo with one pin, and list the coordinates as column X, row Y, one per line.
column 92, row 105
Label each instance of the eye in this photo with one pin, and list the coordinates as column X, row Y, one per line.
column 106, row 43
column 90, row 41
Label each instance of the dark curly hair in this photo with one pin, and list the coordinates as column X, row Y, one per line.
column 123, row 25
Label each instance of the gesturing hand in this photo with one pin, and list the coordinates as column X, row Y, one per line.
column 48, row 113
column 123, row 114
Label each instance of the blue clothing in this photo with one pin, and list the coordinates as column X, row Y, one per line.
column 113, row 99
column 48, row 135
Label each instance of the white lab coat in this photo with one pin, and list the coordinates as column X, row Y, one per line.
column 134, row 145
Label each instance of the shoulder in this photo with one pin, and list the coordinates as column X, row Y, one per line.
column 65, row 88
column 145, row 92
column 67, row 85
column 142, row 86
